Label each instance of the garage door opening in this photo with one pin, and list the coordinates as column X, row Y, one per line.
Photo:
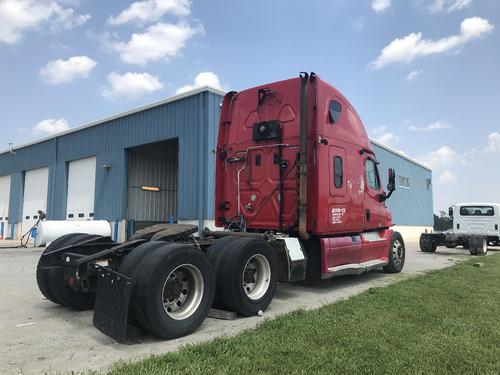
column 4, row 205
column 152, row 178
column 36, row 182
column 81, row 189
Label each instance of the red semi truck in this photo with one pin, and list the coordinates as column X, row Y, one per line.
column 298, row 193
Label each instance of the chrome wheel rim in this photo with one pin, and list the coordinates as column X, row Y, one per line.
column 256, row 277
column 397, row 252
column 485, row 246
column 182, row 291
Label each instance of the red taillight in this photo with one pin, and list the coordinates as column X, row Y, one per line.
column 71, row 281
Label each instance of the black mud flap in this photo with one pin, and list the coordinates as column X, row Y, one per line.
column 112, row 306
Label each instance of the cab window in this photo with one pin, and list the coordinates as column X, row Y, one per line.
column 338, row 172
column 476, row 211
column 372, row 179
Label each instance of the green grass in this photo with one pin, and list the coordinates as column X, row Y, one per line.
column 446, row 322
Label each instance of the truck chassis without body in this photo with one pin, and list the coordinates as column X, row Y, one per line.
column 475, row 226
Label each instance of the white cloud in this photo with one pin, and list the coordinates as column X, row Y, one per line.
column 18, row 16
column 412, row 76
column 449, row 5
column 358, row 24
column 151, row 11
column 380, row 5
column 131, row 85
column 379, row 130
column 201, row 80
column 384, row 136
column 50, row 127
column 64, row 71
column 468, row 166
column 160, row 41
column 459, row 5
column 494, row 142
column 407, row 49
column 66, row 19
column 438, row 125
column 444, row 157
column 447, row 177
column 388, row 138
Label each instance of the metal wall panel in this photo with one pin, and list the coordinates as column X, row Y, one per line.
column 411, row 206
column 35, row 156
column 154, row 165
column 185, row 119
column 212, row 117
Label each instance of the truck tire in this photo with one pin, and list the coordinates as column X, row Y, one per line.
column 215, row 254
column 247, row 276
column 42, row 274
column 173, row 290
column 481, row 245
column 129, row 266
column 471, row 245
column 427, row 245
column 62, row 292
column 397, row 254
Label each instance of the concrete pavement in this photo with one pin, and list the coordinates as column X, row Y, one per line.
column 37, row 336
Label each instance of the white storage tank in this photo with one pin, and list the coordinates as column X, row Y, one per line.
column 50, row 230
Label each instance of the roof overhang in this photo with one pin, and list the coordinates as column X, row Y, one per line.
column 400, row 154
column 123, row 114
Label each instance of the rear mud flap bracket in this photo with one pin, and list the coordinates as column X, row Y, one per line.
column 112, row 306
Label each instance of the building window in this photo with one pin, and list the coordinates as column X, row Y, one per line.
column 334, row 110
column 404, row 182
column 429, row 183
column 372, row 179
column 338, row 172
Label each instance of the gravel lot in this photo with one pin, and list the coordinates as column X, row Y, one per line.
column 40, row 337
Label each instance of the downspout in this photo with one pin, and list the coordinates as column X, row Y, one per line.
column 202, row 147
column 302, row 158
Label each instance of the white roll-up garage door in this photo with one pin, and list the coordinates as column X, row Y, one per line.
column 4, row 205
column 36, row 184
column 81, row 189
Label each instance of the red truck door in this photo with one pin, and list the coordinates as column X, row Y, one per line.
column 345, row 211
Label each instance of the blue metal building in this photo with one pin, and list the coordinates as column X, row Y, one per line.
column 411, row 204
column 126, row 176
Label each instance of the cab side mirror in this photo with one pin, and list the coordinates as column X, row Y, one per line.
column 391, row 186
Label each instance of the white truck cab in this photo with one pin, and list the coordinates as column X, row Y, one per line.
column 475, row 226
column 476, row 218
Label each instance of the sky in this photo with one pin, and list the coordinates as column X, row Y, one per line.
column 424, row 75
